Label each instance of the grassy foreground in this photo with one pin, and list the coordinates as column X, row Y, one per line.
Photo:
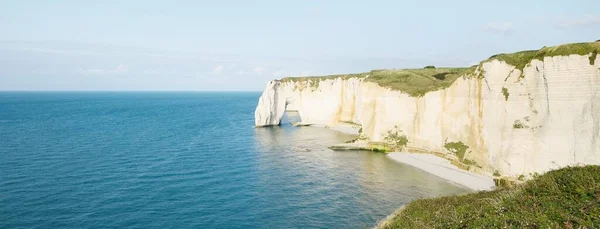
column 564, row 198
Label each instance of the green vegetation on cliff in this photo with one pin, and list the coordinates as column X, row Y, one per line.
column 521, row 59
column 458, row 148
column 518, row 59
column 564, row 198
column 321, row 78
column 396, row 139
column 505, row 93
column 519, row 125
column 417, row 82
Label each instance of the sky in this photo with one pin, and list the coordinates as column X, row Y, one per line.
column 240, row 45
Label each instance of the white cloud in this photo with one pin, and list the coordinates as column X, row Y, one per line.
column 259, row 70
column 502, row 28
column 586, row 20
column 218, row 69
column 122, row 68
column 279, row 73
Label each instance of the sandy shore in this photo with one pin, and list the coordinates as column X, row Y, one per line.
column 444, row 169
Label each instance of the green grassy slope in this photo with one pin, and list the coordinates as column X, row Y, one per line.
column 564, row 198
column 417, row 82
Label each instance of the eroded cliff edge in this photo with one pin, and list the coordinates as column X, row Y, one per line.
column 514, row 114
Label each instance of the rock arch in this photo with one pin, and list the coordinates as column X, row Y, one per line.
column 271, row 106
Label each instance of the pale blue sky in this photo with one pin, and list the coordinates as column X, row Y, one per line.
column 239, row 45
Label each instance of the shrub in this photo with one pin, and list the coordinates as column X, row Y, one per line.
column 519, row 125
column 505, row 93
column 396, row 139
column 441, row 76
column 457, row 148
column 429, row 67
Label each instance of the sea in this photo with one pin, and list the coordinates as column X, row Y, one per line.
column 186, row 160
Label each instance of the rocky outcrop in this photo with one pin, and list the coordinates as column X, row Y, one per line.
column 513, row 121
column 271, row 105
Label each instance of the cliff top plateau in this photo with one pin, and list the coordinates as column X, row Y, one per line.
column 417, row 82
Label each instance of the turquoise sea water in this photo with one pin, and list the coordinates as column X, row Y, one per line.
column 185, row 160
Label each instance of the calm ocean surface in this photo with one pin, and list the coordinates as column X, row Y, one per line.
column 185, row 160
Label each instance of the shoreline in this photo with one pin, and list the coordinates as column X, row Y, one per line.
column 342, row 128
column 444, row 169
column 346, row 129
column 432, row 164
column 388, row 220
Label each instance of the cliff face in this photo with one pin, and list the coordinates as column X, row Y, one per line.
column 515, row 122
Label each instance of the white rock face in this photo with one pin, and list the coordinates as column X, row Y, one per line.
column 556, row 103
column 271, row 106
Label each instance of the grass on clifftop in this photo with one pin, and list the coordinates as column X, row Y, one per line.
column 564, row 198
column 320, row 78
column 521, row 59
column 415, row 82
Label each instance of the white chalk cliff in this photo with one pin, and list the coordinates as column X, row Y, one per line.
column 271, row 105
column 514, row 122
